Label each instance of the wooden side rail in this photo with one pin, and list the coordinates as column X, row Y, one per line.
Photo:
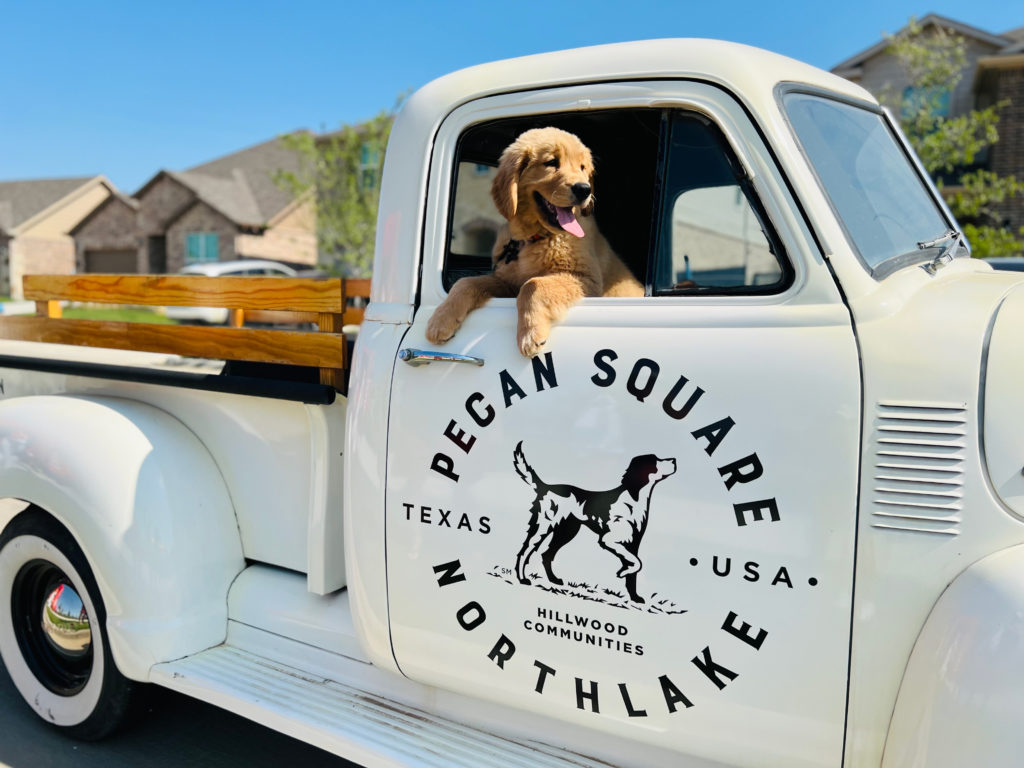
column 350, row 315
column 323, row 301
column 290, row 293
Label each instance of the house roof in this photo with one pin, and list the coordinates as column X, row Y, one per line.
column 231, row 196
column 998, row 42
column 241, row 185
column 115, row 198
column 1015, row 34
column 22, row 200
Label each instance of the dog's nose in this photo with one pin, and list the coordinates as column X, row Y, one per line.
column 581, row 191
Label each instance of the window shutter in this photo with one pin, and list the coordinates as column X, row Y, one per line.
column 210, row 249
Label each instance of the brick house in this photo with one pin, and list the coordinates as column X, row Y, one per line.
column 36, row 218
column 228, row 208
column 994, row 72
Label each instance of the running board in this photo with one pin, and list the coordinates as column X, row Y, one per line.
column 360, row 726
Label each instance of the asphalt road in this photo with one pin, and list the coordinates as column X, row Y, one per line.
column 169, row 730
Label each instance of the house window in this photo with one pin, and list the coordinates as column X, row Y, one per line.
column 200, row 247
column 934, row 100
column 369, row 167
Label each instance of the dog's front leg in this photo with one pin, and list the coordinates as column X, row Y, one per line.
column 467, row 294
column 631, row 589
column 542, row 301
column 631, row 564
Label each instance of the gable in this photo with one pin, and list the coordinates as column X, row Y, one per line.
column 113, row 221
column 161, row 201
column 253, row 168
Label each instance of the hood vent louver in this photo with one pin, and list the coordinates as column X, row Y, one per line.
column 920, row 450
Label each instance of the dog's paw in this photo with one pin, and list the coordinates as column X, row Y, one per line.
column 637, row 599
column 441, row 326
column 531, row 342
column 524, row 581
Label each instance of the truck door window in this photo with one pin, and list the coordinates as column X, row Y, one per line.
column 715, row 237
column 670, row 201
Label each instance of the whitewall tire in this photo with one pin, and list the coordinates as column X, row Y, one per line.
column 53, row 639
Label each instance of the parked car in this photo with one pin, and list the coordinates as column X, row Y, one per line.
column 237, row 268
column 1011, row 263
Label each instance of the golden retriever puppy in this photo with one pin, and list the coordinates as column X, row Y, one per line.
column 551, row 254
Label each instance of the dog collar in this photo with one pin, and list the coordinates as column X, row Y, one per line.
column 512, row 248
column 510, row 252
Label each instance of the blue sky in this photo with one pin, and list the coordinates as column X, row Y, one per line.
column 126, row 89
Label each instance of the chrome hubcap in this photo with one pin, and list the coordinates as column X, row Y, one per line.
column 66, row 622
column 52, row 627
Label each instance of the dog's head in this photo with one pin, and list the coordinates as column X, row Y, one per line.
column 646, row 470
column 545, row 178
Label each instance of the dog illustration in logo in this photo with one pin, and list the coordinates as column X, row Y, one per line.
column 618, row 516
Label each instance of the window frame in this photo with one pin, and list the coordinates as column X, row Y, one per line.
column 774, row 192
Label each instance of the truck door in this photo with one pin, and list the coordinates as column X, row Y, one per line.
column 648, row 528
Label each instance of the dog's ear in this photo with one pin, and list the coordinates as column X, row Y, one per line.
column 505, row 187
column 588, row 209
column 638, row 474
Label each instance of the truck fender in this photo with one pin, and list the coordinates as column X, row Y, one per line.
column 147, row 504
column 961, row 697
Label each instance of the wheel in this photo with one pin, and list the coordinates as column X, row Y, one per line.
column 53, row 636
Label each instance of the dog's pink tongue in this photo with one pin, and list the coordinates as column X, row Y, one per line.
column 568, row 222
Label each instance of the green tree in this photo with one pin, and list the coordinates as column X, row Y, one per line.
column 344, row 167
column 934, row 63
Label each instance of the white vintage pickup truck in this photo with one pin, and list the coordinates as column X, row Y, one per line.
column 809, row 424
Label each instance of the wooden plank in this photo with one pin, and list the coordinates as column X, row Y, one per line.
column 330, row 323
column 353, row 316
column 297, row 294
column 318, row 350
column 49, row 309
column 333, row 377
column 357, row 286
column 277, row 317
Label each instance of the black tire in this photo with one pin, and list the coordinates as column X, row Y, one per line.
column 64, row 670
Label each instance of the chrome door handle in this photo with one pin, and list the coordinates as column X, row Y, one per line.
column 425, row 356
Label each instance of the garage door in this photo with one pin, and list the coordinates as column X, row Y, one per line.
column 112, row 261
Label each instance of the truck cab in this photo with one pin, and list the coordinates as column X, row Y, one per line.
column 734, row 521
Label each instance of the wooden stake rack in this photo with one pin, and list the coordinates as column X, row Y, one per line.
column 326, row 302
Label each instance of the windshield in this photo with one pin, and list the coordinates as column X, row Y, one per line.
column 882, row 202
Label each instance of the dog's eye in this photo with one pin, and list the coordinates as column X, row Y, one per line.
column 552, row 163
